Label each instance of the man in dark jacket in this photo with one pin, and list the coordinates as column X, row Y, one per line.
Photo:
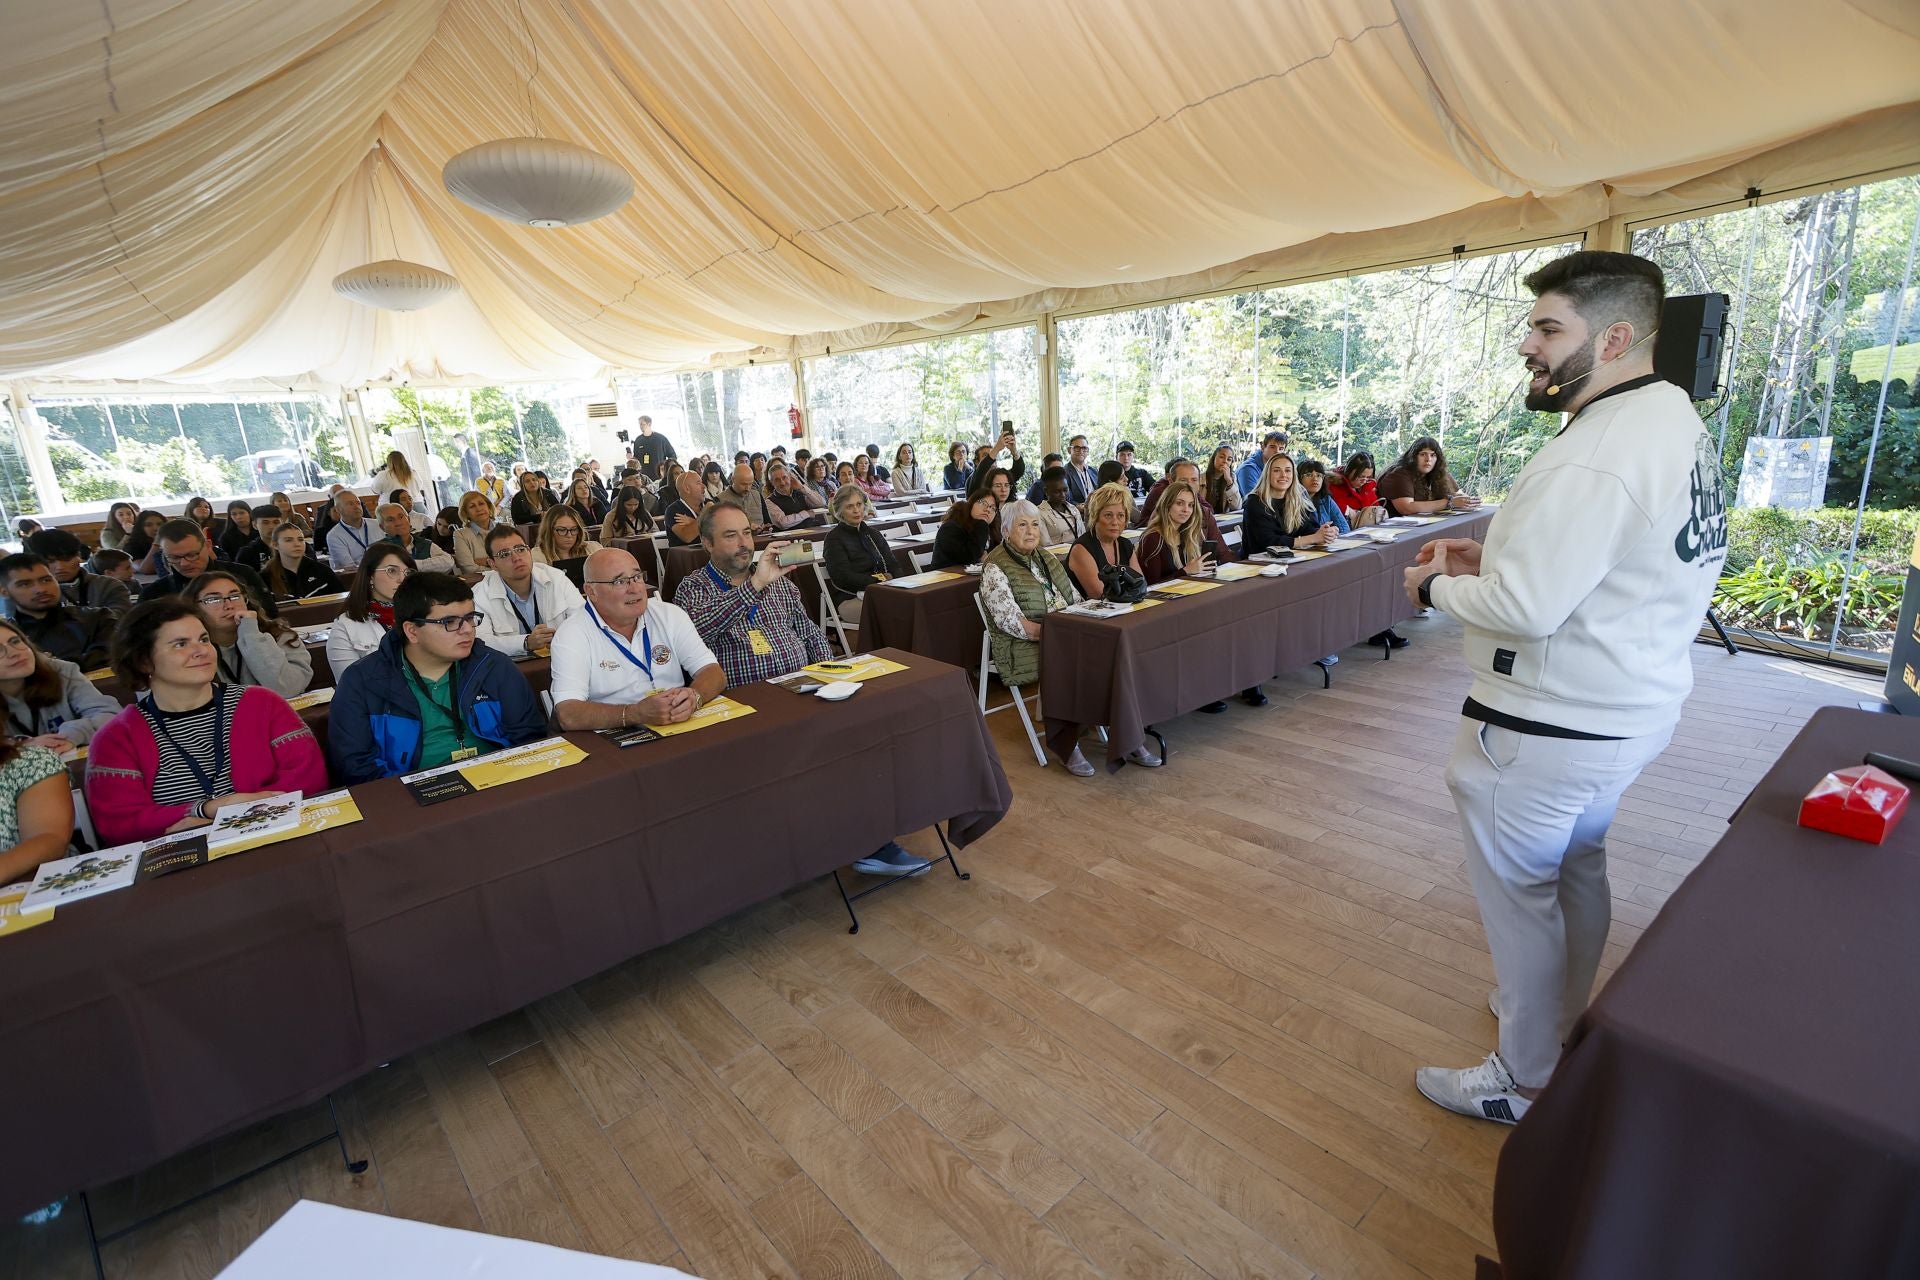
column 187, row 553
column 64, row 554
column 433, row 693
column 33, row 601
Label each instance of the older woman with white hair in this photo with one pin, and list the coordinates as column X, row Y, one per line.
column 1020, row 584
column 856, row 553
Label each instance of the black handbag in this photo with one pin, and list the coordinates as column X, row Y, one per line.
column 1123, row 585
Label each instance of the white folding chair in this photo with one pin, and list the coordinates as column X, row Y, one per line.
column 1231, row 536
column 830, row 620
column 920, row 559
column 1019, row 703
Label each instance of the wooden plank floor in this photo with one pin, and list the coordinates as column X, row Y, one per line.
column 1168, row 1029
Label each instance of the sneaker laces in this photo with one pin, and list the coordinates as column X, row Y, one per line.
column 1490, row 1076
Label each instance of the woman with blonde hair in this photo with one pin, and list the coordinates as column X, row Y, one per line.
column 532, row 501
column 1280, row 514
column 397, row 474
column 1173, row 544
column 562, row 536
column 470, row 539
column 1104, row 544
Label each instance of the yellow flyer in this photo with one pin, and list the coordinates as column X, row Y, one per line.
column 926, row 579
column 521, row 763
column 333, row 597
column 860, row 667
column 317, row 814
column 715, row 712
column 12, row 918
column 311, row 698
column 1236, row 572
column 1184, row 587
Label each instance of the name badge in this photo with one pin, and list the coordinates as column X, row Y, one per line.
column 757, row 640
column 464, row 753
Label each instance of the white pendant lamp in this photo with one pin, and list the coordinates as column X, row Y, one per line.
column 393, row 285
column 537, row 182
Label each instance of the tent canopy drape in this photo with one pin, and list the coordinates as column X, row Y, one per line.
column 181, row 179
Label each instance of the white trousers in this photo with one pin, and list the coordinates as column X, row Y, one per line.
column 1535, row 811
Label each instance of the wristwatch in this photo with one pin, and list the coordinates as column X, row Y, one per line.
column 1426, row 590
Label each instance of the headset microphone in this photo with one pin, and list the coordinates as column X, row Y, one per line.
column 1557, row 388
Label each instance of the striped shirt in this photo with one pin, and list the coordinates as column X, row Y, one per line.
column 190, row 734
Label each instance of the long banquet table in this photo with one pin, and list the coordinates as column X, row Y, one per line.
column 1743, row 1098
column 141, row 1022
column 1130, row 671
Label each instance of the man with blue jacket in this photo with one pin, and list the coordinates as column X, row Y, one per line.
column 433, row 693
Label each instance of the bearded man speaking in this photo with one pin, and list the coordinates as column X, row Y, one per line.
column 1578, row 614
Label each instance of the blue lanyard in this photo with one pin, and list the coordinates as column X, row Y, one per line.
column 219, row 742
column 753, row 610
column 360, row 538
column 644, row 662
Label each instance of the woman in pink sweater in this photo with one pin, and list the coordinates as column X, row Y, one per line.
column 190, row 745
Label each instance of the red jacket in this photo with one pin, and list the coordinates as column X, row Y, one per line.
column 270, row 747
column 1349, row 499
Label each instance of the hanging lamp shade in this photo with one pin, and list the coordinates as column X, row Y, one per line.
column 393, row 285
column 537, row 182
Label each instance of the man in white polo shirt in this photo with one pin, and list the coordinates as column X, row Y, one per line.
column 1579, row 613
column 621, row 662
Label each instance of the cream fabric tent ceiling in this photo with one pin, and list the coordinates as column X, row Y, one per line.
column 181, row 179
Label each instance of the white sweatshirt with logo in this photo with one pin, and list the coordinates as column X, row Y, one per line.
column 1597, row 571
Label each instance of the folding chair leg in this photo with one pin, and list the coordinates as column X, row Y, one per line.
column 1033, row 739
column 1326, row 675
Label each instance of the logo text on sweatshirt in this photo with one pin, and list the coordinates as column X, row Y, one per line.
column 1705, row 531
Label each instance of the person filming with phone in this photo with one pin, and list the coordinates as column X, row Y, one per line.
column 1579, row 612
column 743, row 604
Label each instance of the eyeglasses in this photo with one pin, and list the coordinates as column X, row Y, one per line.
column 508, row 553
column 566, row 528
column 394, row 567
column 235, row 597
column 454, row 623
column 625, row 581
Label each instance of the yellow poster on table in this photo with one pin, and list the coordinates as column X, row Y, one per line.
column 12, row 918
column 860, row 667
column 317, row 814
column 521, row 763
column 1184, row 587
column 718, row 711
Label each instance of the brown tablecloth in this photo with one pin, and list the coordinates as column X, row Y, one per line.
column 322, row 610
column 1743, row 1099
column 939, row 621
column 1154, row 664
column 142, row 1022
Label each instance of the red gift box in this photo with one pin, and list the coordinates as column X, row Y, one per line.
column 1863, row 803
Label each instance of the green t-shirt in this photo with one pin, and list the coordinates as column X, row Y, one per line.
column 440, row 728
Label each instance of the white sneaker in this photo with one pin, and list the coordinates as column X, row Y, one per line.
column 1493, row 1003
column 1485, row 1092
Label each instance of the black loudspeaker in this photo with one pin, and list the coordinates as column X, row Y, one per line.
column 1693, row 333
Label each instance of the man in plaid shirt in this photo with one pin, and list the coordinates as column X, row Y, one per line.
column 753, row 620
column 748, row 614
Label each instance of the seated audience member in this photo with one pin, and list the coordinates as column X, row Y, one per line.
column 1037, row 491
column 291, row 574
column 444, row 526
column 562, row 536
column 966, row 533
column 251, row 649
column 433, row 693
column 855, row 553
column 64, row 554
column 742, row 492
column 790, row 504
column 289, row 515
column 490, row 486
column 713, row 479
column 67, row 632
column 532, row 501
column 842, row 475
column 108, row 563
column 416, row 513
column 1188, row 472
column 368, row 614
column 200, row 511
column 350, row 534
column 1081, row 481
column 25, row 527
column 1312, row 474
column 523, row 602
column 585, row 504
column 627, row 515
column 863, row 475
column 682, row 516
column 1279, row 513
column 236, row 531
column 1060, row 519
column 906, row 477
column 1354, row 491
column 958, row 476
column 819, row 477
column 1020, row 584
column 1105, row 542
column 50, row 703
column 255, row 554
column 122, row 519
column 1418, row 484
column 751, row 617
column 757, row 464
column 1175, row 539
column 1138, row 479
column 1255, row 467
column 36, row 809
column 192, row 745
column 186, row 553
column 470, row 539
column 1109, row 472
column 620, row 662
column 325, row 513
column 398, row 529
column 142, row 545
column 1218, row 486
column 995, row 481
